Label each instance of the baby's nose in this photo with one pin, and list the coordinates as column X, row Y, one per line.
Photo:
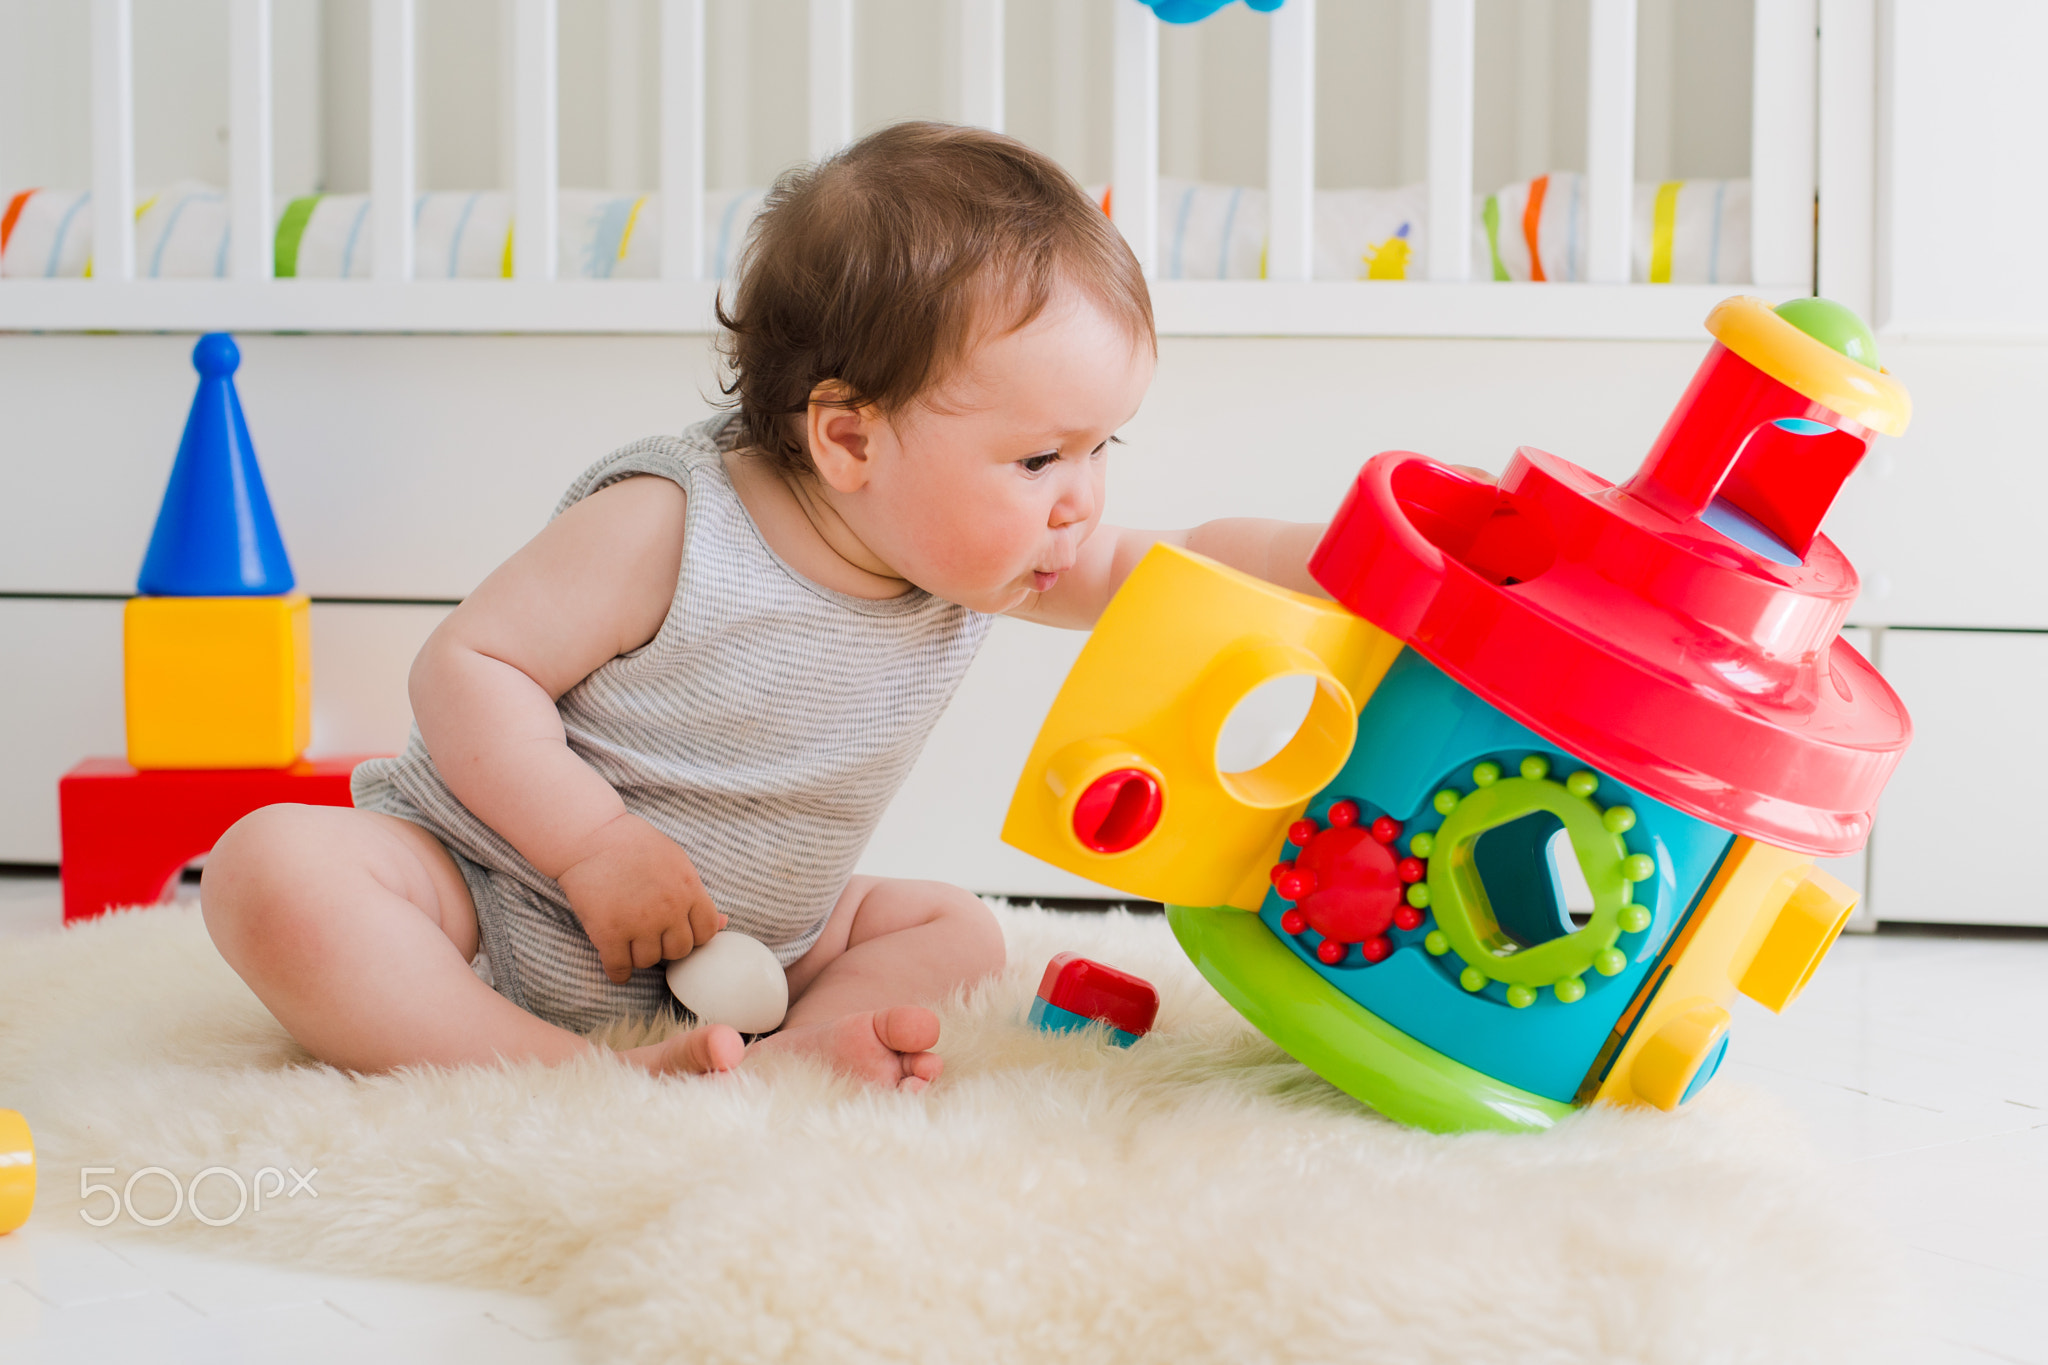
column 1076, row 505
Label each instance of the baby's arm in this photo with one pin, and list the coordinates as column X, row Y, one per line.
column 596, row 583
column 1276, row 551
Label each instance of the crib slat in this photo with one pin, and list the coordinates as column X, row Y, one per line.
column 831, row 76
column 623, row 45
column 1781, row 137
column 535, row 141
column 251, row 253
column 981, row 63
column 682, row 139
column 1134, row 154
column 1074, row 95
column 1291, row 140
column 1453, row 39
column 393, row 138
column 1847, row 257
column 1610, row 138
column 113, row 141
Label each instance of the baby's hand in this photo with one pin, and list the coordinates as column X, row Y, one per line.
column 639, row 897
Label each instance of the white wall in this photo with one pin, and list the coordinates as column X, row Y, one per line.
column 1961, row 189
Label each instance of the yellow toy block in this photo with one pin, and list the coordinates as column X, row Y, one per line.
column 1123, row 784
column 218, row 682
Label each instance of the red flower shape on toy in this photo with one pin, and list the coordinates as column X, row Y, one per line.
column 1348, row 884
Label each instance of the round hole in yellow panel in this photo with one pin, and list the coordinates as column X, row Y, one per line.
column 1264, row 722
column 1308, row 760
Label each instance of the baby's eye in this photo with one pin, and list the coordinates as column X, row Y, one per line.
column 1035, row 463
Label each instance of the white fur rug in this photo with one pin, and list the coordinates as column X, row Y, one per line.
column 1197, row 1198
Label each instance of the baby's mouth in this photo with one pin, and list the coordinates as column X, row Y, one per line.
column 1041, row 582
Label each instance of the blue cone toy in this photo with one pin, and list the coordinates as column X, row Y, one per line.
column 215, row 535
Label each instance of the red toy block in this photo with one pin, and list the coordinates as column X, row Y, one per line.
column 1085, row 987
column 127, row 833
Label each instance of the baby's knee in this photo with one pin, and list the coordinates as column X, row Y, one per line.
column 249, row 878
column 979, row 936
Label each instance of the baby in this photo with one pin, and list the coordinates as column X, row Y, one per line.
column 688, row 700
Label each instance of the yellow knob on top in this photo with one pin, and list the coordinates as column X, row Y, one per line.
column 1803, row 362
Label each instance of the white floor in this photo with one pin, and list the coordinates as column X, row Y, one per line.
column 1920, row 1057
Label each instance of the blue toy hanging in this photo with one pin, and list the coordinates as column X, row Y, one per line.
column 1194, row 11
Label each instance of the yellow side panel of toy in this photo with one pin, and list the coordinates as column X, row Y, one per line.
column 218, row 682
column 1762, row 928
column 1184, row 641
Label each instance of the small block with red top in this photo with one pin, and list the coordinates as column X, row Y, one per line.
column 126, row 833
column 1077, row 991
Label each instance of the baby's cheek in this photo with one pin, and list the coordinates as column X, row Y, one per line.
column 989, row 549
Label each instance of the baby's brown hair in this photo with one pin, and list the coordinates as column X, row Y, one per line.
column 879, row 267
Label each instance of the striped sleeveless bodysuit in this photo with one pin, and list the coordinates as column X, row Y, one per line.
column 764, row 729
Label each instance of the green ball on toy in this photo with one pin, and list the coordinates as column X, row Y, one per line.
column 1834, row 326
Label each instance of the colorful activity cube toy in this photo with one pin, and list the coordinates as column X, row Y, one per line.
column 1077, row 992
column 1644, row 680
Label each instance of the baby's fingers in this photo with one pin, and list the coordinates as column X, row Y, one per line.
column 616, row 956
column 646, row 952
column 705, row 919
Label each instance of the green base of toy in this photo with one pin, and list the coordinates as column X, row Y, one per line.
column 1354, row 1050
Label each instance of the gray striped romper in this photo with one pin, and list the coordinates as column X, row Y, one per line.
column 764, row 729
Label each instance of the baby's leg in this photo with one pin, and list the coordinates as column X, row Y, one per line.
column 889, row 947
column 356, row 930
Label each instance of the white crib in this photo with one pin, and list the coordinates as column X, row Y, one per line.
column 1812, row 122
column 1902, row 123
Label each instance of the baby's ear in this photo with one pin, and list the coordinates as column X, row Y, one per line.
column 838, row 434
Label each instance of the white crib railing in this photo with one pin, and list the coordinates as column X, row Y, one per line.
column 1787, row 121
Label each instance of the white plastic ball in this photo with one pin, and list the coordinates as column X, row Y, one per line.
column 733, row 979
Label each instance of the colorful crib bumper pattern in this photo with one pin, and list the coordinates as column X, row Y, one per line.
column 1686, row 232
column 182, row 233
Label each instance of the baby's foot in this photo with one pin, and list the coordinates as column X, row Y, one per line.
column 889, row 1047
column 713, row 1047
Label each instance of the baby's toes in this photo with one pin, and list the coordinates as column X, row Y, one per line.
column 920, row 1069
column 907, row 1029
column 714, row 1047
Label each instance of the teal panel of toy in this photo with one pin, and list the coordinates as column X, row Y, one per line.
column 1053, row 1019
column 1456, row 816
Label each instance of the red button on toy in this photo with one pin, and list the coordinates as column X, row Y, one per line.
column 1118, row 810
